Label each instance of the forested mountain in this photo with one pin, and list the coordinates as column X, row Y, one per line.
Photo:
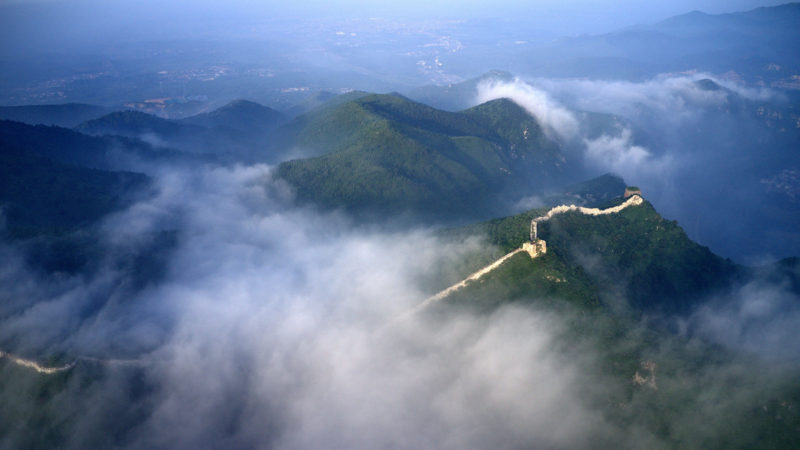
column 238, row 131
column 240, row 116
column 384, row 153
column 761, row 44
column 65, row 115
column 634, row 258
column 445, row 226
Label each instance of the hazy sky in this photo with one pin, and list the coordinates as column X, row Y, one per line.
column 588, row 13
column 31, row 25
column 83, row 24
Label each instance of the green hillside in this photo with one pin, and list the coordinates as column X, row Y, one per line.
column 42, row 196
column 239, row 116
column 457, row 96
column 661, row 383
column 382, row 153
column 241, row 131
column 635, row 255
column 71, row 147
column 55, row 186
column 135, row 124
column 63, row 115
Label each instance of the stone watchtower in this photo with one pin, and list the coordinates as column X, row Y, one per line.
column 536, row 246
column 632, row 190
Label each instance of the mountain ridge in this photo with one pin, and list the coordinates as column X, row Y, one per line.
column 65, row 115
column 428, row 159
column 659, row 268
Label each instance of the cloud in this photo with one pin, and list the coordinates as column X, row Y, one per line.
column 276, row 326
column 617, row 153
column 529, row 202
column 269, row 328
column 679, row 139
column 553, row 117
column 280, row 316
column 615, row 148
column 678, row 96
column 761, row 317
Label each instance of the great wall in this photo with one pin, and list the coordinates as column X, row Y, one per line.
column 35, row 365
column 535, row 248
column 49, row 370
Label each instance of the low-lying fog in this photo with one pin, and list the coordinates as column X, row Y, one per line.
column 273, row 326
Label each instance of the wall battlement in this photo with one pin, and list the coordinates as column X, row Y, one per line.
column 633, row 200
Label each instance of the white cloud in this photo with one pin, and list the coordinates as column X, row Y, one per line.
column 552, row 116
column 269, row 329
column 679, row 97
column 617, row 153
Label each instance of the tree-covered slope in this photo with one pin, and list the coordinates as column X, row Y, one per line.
column 386, row 153
column 634, row 257
column 239, row 116
column 64, row 115
column 653, row 258
column 57, row 185
column 456, row 96
column 136, row 124
column 71, row 147
column 638, row 376
column 41, row 196
column 751, row 43
column 238, row 132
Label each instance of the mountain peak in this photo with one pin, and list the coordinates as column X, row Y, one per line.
column 128, row 123
column 241, row 115
column 496, row 74
column 243, row 103
column 502, row 103
column 707, row 84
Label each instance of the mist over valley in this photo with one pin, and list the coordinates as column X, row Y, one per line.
column 363, row 226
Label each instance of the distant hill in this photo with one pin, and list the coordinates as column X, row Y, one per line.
column 457, row 96
column 311, row 102
column 238, row 132
column 40, row 195
column 56, row 185
column 137, row 124
column 593, row 192
column 71, row 147
column 322, row 129
column 761, row 45
column 384, row 153
column 65, row 115
column 767, row 18
column 240, row 116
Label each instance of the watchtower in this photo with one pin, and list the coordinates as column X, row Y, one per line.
column 632, row 190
